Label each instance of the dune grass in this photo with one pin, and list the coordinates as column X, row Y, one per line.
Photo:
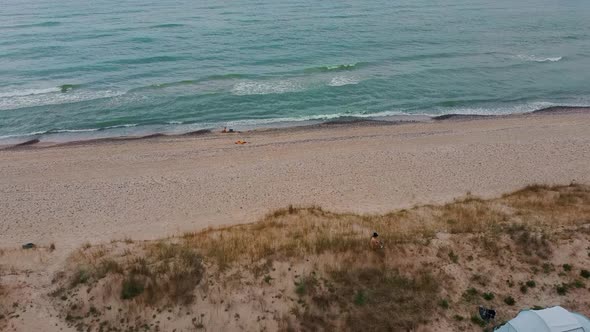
column 301, row 231
column 159, row 272
column 355, row 288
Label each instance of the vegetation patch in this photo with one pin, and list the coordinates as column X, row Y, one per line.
column 406, row 284
column 509, row 300
column 561, row 289
column 378, row 299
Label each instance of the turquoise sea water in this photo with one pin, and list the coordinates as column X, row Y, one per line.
column 73, row 69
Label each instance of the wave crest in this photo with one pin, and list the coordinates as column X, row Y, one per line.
column 33, row 25
column 167, row 25
column 68, row 87
column 32, row 92
column 28, row 92
column 246, row 88
column 343, row 80
column 192, row 82
column 147, row 60
column 538, row 59
column 340, row 67
column 51, row 96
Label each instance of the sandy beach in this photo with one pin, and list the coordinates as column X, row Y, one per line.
column 150, row 188
column 85, row 205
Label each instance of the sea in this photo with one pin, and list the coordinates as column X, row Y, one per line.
column 73, row 70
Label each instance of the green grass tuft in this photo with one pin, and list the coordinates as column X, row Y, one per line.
column 132, row 287
column 509, row 300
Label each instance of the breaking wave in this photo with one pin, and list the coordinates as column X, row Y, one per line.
column 193, row 82
column 28, row 92
column 247, row 88
column 341, row 67
column 538, row 59
column 343, row 80
column 41, row 91
column 51, row 96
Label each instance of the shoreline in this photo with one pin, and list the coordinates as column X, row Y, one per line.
column 38, row 142
column 152, row 188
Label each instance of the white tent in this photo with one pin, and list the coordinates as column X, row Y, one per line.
column 555, row 319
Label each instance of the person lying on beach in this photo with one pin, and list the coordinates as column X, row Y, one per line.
column 375, row 243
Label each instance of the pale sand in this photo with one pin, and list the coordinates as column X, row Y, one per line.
column 146, row 189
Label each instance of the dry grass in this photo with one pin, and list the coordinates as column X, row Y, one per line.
column 398, row 288
column 383, row 299
column 159, row 272
column 3, row 301
column 296, row 232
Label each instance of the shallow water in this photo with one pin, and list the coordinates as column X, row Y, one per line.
column 121, row 68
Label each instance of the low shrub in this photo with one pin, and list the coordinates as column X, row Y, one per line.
column 561, row 289
column 131, row 288
column 470, row 294
column 453, row 257
column 360, row 298
column 478, row 321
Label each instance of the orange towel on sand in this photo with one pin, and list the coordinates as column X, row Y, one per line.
column 241, row 142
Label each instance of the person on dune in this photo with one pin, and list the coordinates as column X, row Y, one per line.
column 375, row 243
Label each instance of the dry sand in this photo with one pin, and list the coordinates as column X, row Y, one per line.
column 151, row 188
column 144, row 189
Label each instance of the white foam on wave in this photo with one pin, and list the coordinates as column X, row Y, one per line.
column 53, row 97
column 494, row 110
column 246, row 88
column 343, row 80
column 127, row 125
column 88, row 130
column 68, row 131
column 538, row 59
column 27, row 92
column 319, row 117
column 345, row 66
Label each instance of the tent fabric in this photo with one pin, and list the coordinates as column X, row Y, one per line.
column 555, row 319
column 585, row 322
